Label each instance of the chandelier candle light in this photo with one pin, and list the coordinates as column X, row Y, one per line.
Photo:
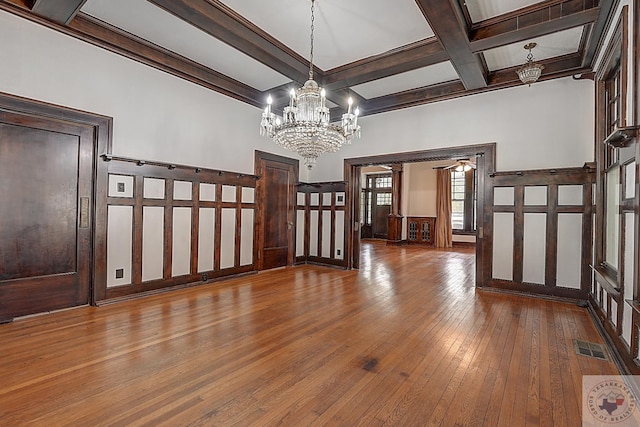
column 305, row 125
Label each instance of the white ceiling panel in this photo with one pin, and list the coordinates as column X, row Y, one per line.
column 425, row 76
column 151, row 23
column 551, row 45
column 479, row 10
column 345, row 31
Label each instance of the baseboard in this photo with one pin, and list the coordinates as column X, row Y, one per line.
column 618, row 360
column 150, row 292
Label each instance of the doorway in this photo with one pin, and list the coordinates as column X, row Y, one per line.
column 485, row 159
column 375, row 205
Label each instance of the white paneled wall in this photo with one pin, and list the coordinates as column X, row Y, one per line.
column 503, row 245
column 540, row 219
column 216, row 229
column 569, row 250
column 534, row 248
column 181, row 247
column 325, row 226
column 152, row 243
column 206, row 239
column 246, row 236
column 228, row 239
column 119, row 245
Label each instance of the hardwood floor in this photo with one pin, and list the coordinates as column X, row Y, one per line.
column 407, row 340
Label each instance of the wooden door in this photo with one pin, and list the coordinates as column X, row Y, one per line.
column 46, row 180
column 276, row 189
column 381, row 208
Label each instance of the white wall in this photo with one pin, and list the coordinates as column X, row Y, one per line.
column 547, row 125
column 161, row 117
column 421, row 189
column 156, row 116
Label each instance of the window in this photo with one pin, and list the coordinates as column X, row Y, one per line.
column 383, row 199
column 383, row 182
column 457, row 200
column 463, row 200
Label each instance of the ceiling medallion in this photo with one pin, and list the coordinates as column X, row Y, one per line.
column 305, row 126
column 530, row 71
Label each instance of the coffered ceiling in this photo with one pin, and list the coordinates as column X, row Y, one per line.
column 386, row 54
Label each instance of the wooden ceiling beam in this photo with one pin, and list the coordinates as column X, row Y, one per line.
column 446, row 19
column 410, row 57
column 60, row 11
column 605, row 17
column 554, row 68
column 514, row 28
column 219, row 21
column 111, row 38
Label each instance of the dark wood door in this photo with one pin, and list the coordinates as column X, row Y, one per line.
column 381, row 208
column 276, row 193
column 46, row 180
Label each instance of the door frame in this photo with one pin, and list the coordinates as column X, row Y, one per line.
column 294, row 181
column 486, row 166
column 101, row 126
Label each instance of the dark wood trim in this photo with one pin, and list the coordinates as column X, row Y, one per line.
column 60, row 11
column 531, row 22
column 119, row 293
column 552, row 179
column 322, row 188
column 221, row 22
column 217, row 18
column 485, row 165
column 446, row 20
column 598, row 30
column 518, row 237
column 259, row 158
column 406, row 58
column 551, row 250
column 575, row 294
column 625, row 364
column 98, row 33
column 103, row 131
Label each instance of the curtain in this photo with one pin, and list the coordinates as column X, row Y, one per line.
column 444, row 234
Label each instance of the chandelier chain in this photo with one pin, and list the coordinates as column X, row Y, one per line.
column 305, row 126
column 311, row 38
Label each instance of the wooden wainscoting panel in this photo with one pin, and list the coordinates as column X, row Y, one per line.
column 170, row 204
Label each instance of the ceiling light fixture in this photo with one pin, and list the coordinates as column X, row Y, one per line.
column 305, row 126
column 530, row 71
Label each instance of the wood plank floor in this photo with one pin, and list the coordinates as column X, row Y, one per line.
column 407, row 340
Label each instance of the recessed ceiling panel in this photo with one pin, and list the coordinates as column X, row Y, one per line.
column 426, row 76
column 479, row 10
column 345, row 31
column 549, row 46
column 151, row 23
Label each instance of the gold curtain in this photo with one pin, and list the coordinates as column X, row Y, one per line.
column 444, row 234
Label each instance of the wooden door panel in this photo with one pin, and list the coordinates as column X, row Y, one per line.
column 276, row 191
column 276, row 205
column 46, row 174
column 38, row 228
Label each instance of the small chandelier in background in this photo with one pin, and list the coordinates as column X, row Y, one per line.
column 305, row 126
column 530, row 71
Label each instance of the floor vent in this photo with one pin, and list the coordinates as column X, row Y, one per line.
column 590, row 349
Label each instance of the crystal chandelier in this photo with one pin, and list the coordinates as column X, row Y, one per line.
column 304, row 126
column 530, row 71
